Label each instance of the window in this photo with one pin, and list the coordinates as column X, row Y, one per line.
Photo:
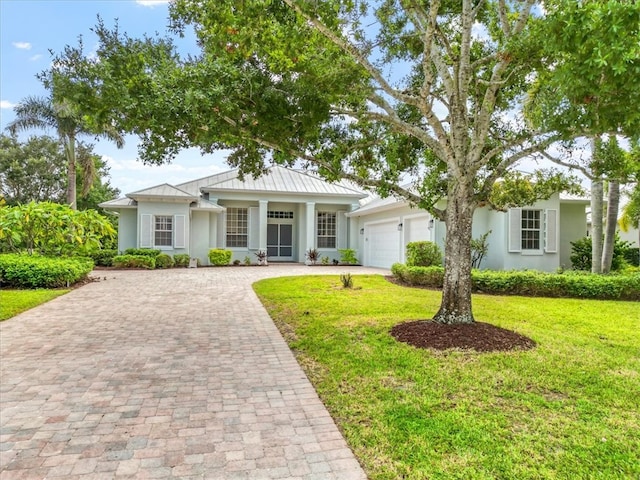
column 163, row 232
column 276, row 214
column 326, row 229
column 531, row 230
column 237, row 227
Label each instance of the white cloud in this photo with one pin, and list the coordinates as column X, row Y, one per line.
column 22, row 45
column 152, row 3
column 6, row 104
column 36, row 57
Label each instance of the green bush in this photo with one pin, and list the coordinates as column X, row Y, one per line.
column 219, row 257
column 181, row 260
column 632, row 256
column 581, row 254
column 532, row 283
column 135, row 261
column 33, row 271
column 423, row 254
column 164, row 261
column 103, row 258
column 348, row 256
column 143, row 251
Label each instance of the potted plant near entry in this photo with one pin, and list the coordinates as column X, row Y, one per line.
column 262, row 257
column 313, row 255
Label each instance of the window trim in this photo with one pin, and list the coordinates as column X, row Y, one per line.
column 239, row 215
column 539, row 230
column 171, row 232
column 329, row 222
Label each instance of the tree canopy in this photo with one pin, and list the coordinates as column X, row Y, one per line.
column 379, row 92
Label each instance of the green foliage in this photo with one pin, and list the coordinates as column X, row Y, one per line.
column 479, row 248
column 17, row 301
column 325, row 260
column 149, row 252
column 103, row 258
column 423, row 254
column 531, row 283
column 581, row 254
column 34, row 271
column 517, row 189
column 261, row 255
column 53, row 229
column 348, row 256
column 247, row 260
column 632, row 256
column 181, row 260
column 164, row 261
column 347, row 280
column 135, row 261
column 219, row 257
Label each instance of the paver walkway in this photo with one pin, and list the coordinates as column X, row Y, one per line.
column 162, row 374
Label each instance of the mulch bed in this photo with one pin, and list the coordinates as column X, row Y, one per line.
column 478, row 336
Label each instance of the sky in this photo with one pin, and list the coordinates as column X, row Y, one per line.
column 30, row 28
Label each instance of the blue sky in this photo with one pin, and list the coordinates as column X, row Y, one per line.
column 30, row 28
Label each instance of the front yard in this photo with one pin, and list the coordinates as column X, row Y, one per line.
column 569, row 408
column 13, row 302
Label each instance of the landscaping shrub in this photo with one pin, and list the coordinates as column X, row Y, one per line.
column 135, row 261
column 103, row 258
column 632, row 256
column 532, row 283
column 181, row 260
column 423, row 254
column 581, row 254
column 150, row 252
column 34, row 271
column 164, row 261
column 348, row 256
column 219, row 257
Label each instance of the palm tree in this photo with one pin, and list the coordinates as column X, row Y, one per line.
column 44, row 113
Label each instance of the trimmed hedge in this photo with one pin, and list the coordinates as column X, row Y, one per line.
column 164, row 261
column 34, row 271
column 219, row 257
column 423, row 254
column 103, row 258
column 181, row 260
column 135, row 261
column 531, row 283
column 143, row 251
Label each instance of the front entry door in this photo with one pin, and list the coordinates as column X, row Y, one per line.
column 280, row 241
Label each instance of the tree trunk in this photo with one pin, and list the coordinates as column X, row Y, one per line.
column 71, row 171
column 597, row 192
column 613, row 204
column 456, row 290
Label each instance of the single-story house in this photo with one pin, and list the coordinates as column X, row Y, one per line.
column 287, row 212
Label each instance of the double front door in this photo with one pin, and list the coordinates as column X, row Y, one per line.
column 280, row 242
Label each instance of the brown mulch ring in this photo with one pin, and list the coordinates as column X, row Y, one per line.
column 478, row 336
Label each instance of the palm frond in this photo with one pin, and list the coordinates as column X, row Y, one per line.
column 33, row 112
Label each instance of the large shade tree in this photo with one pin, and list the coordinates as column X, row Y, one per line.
column 376, row 92
column 66, row 118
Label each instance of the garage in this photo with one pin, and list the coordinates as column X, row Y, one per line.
column 382, row 244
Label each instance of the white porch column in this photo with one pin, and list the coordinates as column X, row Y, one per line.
column 310, row 237
column 262, row 213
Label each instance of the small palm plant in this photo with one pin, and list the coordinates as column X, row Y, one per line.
column 313, row 255
column 347, row 280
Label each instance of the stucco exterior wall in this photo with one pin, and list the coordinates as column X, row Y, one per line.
column 573, row 221
column 127, row 229
column 165, row 208
column 200, row 235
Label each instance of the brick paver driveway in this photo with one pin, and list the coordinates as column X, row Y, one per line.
column 162, row 374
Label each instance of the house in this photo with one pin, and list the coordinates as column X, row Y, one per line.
column 287, row 212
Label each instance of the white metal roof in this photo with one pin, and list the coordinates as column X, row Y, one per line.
column 165, row 190
column 122, row 202
column 284, row 180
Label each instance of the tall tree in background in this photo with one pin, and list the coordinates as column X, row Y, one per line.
column 371, row 91
column 589, row 86
column 35, row 171
column 65, row 118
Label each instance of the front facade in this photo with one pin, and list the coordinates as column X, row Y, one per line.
column 288, row 212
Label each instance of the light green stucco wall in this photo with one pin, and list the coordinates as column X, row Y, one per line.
column 165, row 208
column 127, row 229
column 573, row 220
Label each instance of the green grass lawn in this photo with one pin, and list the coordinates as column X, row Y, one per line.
column 13, row 302
column 568, row 409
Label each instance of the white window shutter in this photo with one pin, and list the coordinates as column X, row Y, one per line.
column 179, row 231
column 146, row 231
column 515, row 230
column 551, row 231
column 254, row 228
column 341, row 229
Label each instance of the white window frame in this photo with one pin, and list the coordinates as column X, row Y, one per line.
column 528, row 227
column 237, row 228
column 171, row 223
column 326, row 229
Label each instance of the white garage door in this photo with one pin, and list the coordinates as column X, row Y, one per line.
column 383, row 244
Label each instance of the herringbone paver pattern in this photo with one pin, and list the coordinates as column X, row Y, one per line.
column 162, row 374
